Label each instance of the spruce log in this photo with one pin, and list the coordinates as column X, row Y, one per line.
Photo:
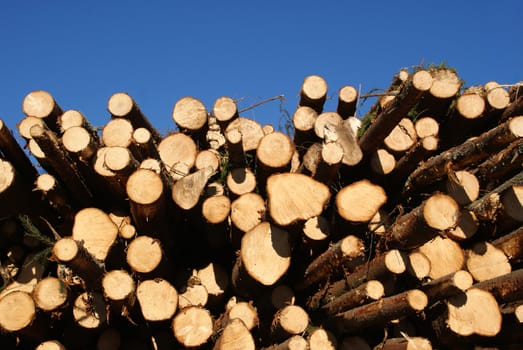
column 289, row 321
column 145, row 190
column 463, row 186
column 345, row 135
column 192, row 326
column 326, row 120
column 293, row 197
column 438, row 213
column 50, row 294
column 498, row 98
column 511, row 244
column 72, row 118
column 144, row 254
column 380, row 312
column 192, row 294
column 121, row 105
column 382, row 268
column 145, row 144
column 235, row 151
column 110, row 180
column 79, row 141
column 118, row 132
column 348, row 253
column 382, row 162
column 178, row 153
column 41, row 104
column 485, row 261
column 207, row 158
column 448, row 285
column 445, row 255
column 24, row 126
column 31, row 271
column 189, row 114
column 349, row 204
column 235, row 335
column 15, row 154
column 387, row 120
column 242, row 310
column 215, row 280
column 418, row 265
column 118, row 286
column 303, row 120
column 466, row 227
column 329, row 164
column 55, row 194
column 75, row 255
column 158, row 299
column 120, row 161
column 367, row 292
column 14, row 190
column 354, row 343
column 426, row 126
column 62, row 166
column 274, row 154
column 470, row 152
column 216, row 209
column 500, row 165
column 406, row 343
column 313, row 92
column 51, row 345
column 186, row 191
column 95, row 229
column 347, row 98
column 506, row 288
column 89, row 310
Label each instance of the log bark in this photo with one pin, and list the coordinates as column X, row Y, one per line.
column 406, row 343
column 463, row 186
column 382, row 162
column 354, row 343
column 121, row 105
column 15, row 154
column 436, row 214
column 466, row 227
column 470, row 152
column 193, row 326
column 506, row 288
column 500, row 165
column 14, row 190
column 387, row 120
column 363, row 294
column 293, row 197
column 349, row 205
column 62, row 166
column 145, row 144
column 511, row 244
column 348, row 253
column 74, row 254
column 215, row 279
column 448, row 285
column 296, row 342
column 313, row 92
column 158, row 299
column 329, row 164
column 347, row 99
column 380, row 312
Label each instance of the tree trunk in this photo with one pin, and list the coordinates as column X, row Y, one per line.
column 448, row 285
column 511, row 244
column 387, row 120
column 121, row 105
column 303, row 120
column 313, row 93
column 347, row 99
column 380, row 312
column 15, row 154
column 506, row 288
column 363, row 294
column 436, row 214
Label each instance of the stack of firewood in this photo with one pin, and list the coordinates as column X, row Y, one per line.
column 399, row 230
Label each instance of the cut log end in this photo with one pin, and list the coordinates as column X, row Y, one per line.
column 275, row 150
column 235, row 335
column 158, row 299
column 225, row 109
column 38, row 104
column 192, row 326
column 50, row 293
column 189, row 113
column 349, row 204
column 120, row 104
column 292, row 319
column 216, row 209
column 441, row 212
column 17, row 311
column 322, row 339
column 314, row 87
column 118, row 285
column 144, row 254
column 89, row 310
column 144, row 186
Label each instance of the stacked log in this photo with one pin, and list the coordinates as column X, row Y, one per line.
column 394, row 233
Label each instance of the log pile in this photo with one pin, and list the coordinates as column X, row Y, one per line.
column 402, row 230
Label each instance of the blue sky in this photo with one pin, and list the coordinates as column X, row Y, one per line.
column 160, row 51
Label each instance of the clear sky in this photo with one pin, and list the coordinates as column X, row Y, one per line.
column 159, row 51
